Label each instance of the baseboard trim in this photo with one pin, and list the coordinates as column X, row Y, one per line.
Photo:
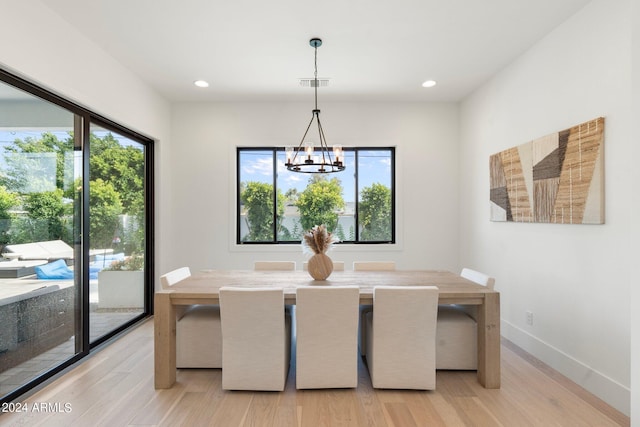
column 605, row 388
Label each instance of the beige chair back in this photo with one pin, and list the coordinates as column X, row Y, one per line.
column 255, row 338
column 479, row 278
column 327, row 336
column 174, row 276
column 274, row 265
column 401, row 346
column 374, row 265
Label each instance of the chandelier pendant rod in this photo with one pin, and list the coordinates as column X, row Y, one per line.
column 315, row 47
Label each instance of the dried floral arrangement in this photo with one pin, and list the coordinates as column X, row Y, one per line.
column 318, row 240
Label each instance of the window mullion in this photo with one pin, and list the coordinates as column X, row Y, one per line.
column 357, row 201
column 275, row 195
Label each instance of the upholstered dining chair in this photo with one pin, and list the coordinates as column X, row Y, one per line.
column 337, row 266
column 457, row 335
column 366, row 308
column 256, row 338
column 327, row 336
column 401, row 337
column 274, row 265
column 198, row 333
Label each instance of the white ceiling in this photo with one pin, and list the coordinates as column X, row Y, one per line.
column 372, row 49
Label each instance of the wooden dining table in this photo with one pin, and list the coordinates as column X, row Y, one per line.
column 203, row 288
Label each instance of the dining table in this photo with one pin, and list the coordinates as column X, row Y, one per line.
column 204, row 286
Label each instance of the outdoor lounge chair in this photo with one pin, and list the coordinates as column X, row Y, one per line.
column 15, row 268
column 50, row 250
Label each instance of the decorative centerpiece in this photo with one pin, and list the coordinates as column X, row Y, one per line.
column 317, row 242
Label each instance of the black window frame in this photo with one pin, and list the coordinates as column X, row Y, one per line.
column 275, row 151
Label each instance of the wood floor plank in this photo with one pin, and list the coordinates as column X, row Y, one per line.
column 189, row 413
column 422, row 408
column 115, row 387
column 263, row 409
column 287, row 411
column 370, row 413
column 399, row 415
column 446, row 410
column 474, row 413
column 231, row 409
column 453, row 384
column 333, row 407
column 502, row 403
column 572, row 387
column 156, row 406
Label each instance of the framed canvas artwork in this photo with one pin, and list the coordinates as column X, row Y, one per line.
column 554, row 179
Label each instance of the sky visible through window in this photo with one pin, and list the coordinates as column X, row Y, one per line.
column 374, row 167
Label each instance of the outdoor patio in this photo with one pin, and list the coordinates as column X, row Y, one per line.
column 36, row 362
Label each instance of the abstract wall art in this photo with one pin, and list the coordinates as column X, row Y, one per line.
column 554, row 179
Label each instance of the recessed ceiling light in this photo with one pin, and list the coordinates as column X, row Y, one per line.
column 429, row 83
column 201, row 83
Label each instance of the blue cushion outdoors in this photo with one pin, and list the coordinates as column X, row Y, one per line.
column 107, row 259
column 54, row 270
column 103, row 261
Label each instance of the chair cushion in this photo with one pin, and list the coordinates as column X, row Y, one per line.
column 199, row 337
column 54, row 270
column 456, row 339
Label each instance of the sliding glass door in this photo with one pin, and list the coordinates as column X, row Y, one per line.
column 75, row 221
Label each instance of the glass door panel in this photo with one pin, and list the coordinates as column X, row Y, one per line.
column 116, row 230
column 40, row 266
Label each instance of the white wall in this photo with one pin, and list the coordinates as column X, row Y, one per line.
column 574, row 278
column 635, row 230
column 205, row 137
column 42, row 48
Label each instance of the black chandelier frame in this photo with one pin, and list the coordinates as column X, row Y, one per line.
column 303, row 159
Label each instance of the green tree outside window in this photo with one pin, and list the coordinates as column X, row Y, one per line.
column 257, row 198
column 374, row 211
column 320, row 203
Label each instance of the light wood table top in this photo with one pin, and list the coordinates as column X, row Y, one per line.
column 206, row 284
column 203, row 288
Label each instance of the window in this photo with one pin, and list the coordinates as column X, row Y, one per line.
column 275, row 205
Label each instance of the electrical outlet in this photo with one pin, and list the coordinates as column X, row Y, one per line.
column 529, row 318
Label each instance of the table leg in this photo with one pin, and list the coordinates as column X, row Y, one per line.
column 164, row 341
column 489, row 341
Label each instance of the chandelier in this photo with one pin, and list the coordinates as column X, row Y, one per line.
column 305, row 158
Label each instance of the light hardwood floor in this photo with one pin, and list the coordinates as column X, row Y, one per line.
column 114, row 387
